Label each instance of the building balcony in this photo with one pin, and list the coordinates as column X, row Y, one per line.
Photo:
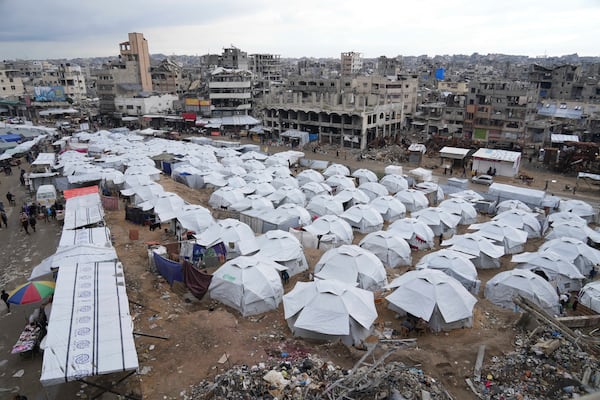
column 237, row 96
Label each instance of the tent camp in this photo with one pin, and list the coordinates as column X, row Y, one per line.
column 330, row 310
column 283, row 248
column 363, row 218
column 501, row 289
column 441, row 221
column 506, row 205
column 575, row 251
column 351, row 196
column 250, row 284
column 193, row 218
column 394, row 183
column 589, row 296
column 482, row 251
column 563, row 274
column 254, row 202
column 430, row 294
column 225, row 197
column 304, row 217
column 340, row 182
column 454, row 264
column 287, row 194
column 390, row 208
column 70, row 256
column 413, row 200
column 324, row 204
column 512, row 239
column 461, row 207
column 574, row 230
column 166, row 206
column 281, row 181
column 417, row 234
column 331, row 230
column 352, row 264
column 564, row 216
column 392, row 250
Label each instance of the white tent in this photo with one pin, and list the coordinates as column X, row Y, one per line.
column 418, row 235
column 253, row 165
column 563, row 274
column 143, row 192
column 295, row 210
column 287, row 194
column 311, row 189
column 340, row 182
column 394, row 183
column 363, row 218
column 331, row 228
column 152, row 172
column 225, row 197
column 260, row 188
column 501, row 289
column 336, row 169
column 589, row 296
column 461, row 207
column 254, row 202
column 389, row 207
column 521, row 220
column 564, row 216
column 352, row 264
column 330, row 310
column 166, row 205
column 579, row 208
column 250, row 284
column 282, row 181
column 195, row 219
column 434, row 296
column 373, row 190
column 575, row 251
column 309, row 175
column 413, row 200
column 573, row 229
column 323, row 204
column 392, row 250
column 238, row 237
column 455, row 264
column 468, row 195
column 428, row 187
column 254, row 155
column 438, row 219
column 364, row 175
column 283, row 248
column 351, row 196
column 512, row 239
column 484, row 254
column 511, row 204
column 71, row 256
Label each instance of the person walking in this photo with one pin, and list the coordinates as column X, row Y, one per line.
column 24, row 222
column 4, row 297
column 32, row 221
column 285, row 277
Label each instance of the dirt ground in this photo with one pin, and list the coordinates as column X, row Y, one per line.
column 202, row 338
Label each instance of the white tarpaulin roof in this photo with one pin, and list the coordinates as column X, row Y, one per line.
column 249, row 284
column 413, row 200
column 373, row 190
column 331, row 225
column 324, row 204
column 589, row 296
column 511, row 238
column 461, row 207
column 474, row 244
column 424, row 291
column 336, row 169
column 389, row 207
column 364, row 218
column 394, row 183
column 330, row 310
column 72, row 255
column 418, row 234
column 454, row 264
column 90, row 331
column 279, row 245
column 579, row 208
column 95, row 236
column 563, row 273
column 84, row 210
column 392, row 250
column 574, row 250
column 521, row 220
column 352, row 264
column 501, row 289
column 234, row 234
column 573, row 229
column 309, row 175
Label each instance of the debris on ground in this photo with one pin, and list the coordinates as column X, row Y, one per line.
column 544, row 365
column 312, row 378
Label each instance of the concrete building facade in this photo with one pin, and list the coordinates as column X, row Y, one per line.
column 11, row 83
column 230, row 92
column 138, row 106
column 351, row 64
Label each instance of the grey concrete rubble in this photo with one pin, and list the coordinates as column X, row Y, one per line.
column 312, row 378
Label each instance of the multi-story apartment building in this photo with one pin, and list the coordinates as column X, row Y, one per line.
column 351, row 64
column 555, row 82
column 266, row 67
column 497, row 112
column 234, row 58
column 141, row 105
column 126, row 77
column 167, row 77
column 400, row 89
column 11, row 83
column 72, row 79
column 388, row 66
column 230, row 92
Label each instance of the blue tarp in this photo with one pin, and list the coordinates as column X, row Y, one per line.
column 439, row 74
column 170, row 270
column 10, row 137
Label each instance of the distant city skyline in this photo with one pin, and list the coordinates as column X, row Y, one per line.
column 37, row 30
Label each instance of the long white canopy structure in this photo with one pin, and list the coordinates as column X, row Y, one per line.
column 90, row 329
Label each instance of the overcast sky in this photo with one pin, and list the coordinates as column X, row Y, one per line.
column 41, row 29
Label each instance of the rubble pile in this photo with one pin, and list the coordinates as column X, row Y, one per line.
column 542, row 366
column 312, row 378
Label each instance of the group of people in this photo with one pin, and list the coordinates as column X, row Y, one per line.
column 29, row 215
column 491, row 171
